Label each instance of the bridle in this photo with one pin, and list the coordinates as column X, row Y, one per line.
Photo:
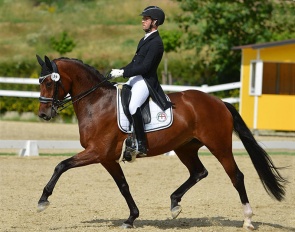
column 59, row 105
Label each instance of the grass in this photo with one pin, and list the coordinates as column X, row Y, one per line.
column 102, row 29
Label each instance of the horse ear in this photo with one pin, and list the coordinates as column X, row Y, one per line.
column 48, row 63
column 40, row 61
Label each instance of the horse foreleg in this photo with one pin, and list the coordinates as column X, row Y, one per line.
column 63, row 166
column 81, row 159
column 116, row 172
column 189, row 157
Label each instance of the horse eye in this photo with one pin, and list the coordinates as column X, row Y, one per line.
column 48, row 84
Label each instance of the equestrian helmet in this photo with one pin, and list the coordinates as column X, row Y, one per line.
column 156, row 13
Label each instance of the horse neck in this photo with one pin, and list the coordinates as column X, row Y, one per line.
column 79, row 77
column 82, row 81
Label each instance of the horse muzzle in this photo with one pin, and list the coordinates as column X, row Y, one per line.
column 47, row 111
column 47, row 114
column 44, row 116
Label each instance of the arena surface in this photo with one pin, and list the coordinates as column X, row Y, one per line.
column 87, row 199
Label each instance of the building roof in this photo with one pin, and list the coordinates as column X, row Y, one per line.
column 265, row 45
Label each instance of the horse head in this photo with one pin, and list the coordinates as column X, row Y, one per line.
column 52, row 90
column 63, row 76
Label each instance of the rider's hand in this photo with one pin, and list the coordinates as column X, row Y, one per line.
column 115, row 73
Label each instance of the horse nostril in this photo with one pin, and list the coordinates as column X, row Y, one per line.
column 43, row 116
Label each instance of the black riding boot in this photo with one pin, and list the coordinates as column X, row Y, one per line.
column 138, row 126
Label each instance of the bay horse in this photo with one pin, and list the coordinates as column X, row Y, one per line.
column 200, row 120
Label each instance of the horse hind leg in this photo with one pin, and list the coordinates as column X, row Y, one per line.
column 240, row 187
column 188, row 154
column 237, row 179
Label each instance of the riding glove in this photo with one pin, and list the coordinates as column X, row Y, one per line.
column 115, row 73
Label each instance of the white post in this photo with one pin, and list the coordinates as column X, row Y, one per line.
column 258, row 89
column 255, row 114
column 31, row 149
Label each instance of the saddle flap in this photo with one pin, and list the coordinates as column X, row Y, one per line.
column 145, row 111
column 125, row 99
column 145, row 108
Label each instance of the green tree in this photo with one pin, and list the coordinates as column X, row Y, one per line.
column 171, row 41
column 64, row 44
column 213, row 27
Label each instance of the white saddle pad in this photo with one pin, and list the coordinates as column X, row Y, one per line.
column 159, row 119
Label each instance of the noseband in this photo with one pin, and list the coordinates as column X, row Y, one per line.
column 59, row 105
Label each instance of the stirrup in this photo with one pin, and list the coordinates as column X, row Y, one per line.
column 129, row 152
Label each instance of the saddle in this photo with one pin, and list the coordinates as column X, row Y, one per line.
column 154, row 117
column 145, row 108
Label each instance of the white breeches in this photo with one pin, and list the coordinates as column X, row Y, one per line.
column 139, row 92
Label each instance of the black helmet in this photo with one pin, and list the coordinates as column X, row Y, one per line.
column 156, row 13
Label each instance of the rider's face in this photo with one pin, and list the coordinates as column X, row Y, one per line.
column 146, row 22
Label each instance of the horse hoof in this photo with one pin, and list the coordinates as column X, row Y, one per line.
column 42, row 206
column 176, row 211
column 248, row 226
column 127, row 226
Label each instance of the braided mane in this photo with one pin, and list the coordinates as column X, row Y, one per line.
column 89, row 68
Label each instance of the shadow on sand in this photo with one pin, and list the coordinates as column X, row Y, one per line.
column 186, row 223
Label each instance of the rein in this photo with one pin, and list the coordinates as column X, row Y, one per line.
column 66, row 102
column 59, row 105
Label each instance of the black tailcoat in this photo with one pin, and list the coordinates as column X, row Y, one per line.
column 145, row 62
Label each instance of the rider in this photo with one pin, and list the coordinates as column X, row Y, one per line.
column 142, row 72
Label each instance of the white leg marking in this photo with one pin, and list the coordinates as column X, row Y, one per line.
column 248, row 213
column 176, row 211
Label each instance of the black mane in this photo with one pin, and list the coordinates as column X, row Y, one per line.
column 90, row 68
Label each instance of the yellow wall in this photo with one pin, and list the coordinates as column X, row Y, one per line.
column 275, row 112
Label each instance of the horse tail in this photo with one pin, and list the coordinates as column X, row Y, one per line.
column 269, row 175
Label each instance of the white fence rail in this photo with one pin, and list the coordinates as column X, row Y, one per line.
column 172, row 88
column 16, row 80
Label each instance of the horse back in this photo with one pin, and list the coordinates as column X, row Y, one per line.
column 200, row 110
column 196, row 98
